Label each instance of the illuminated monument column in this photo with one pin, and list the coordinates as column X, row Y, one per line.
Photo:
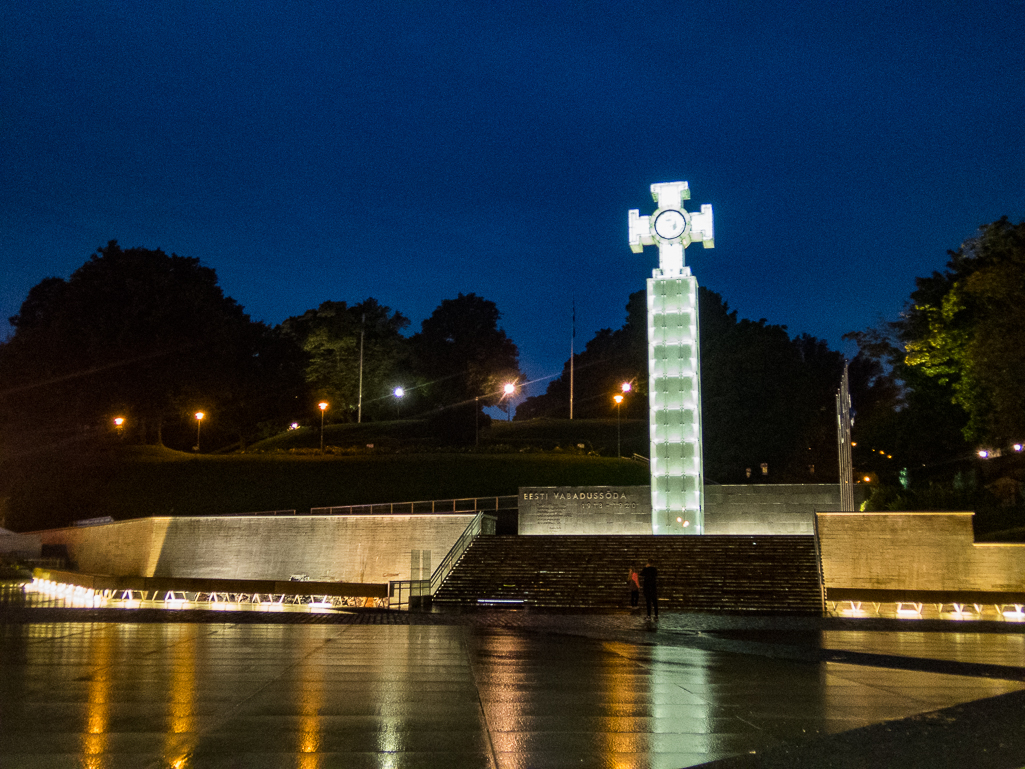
column 674, row 367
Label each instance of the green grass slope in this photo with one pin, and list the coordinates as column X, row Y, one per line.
column 133, row 482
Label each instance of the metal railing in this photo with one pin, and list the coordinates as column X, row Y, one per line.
column 401, row 593
column 466, row 505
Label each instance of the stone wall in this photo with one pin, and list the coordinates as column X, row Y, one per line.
column 19, row 545
column 915, row 551
column 585, row 510
column 770, row 508
column 370, row 548
column 749, row 509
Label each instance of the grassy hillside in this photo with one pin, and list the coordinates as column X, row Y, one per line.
column 46, row 491
column 597, row 435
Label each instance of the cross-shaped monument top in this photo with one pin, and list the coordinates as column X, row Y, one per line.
column 672, row 228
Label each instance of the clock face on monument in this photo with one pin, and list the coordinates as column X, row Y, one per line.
column 670, row 224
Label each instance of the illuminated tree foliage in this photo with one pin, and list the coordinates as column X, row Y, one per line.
column 332, row 336
column 965, row 329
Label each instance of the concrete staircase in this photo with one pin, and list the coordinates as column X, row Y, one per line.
column 708, row 573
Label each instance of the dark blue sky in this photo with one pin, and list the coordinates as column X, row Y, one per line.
column 410, row 151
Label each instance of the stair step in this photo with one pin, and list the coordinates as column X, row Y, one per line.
column 735, row 573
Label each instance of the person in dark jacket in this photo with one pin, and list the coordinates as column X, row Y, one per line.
column 649, row 579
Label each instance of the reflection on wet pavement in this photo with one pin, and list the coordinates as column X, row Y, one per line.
column 497, row 690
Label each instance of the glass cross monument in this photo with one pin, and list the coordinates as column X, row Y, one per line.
column 674, row 365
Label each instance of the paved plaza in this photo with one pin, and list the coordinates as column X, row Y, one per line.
column 507, row 690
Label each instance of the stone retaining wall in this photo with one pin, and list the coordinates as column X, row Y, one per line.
column 366, row 548
column 757, row 509
column 915, row 551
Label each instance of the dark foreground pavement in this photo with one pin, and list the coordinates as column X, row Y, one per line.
column 150, row 688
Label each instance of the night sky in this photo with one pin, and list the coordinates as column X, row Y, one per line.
column 410, row 151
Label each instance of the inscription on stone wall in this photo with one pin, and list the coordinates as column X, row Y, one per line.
column 585, row 510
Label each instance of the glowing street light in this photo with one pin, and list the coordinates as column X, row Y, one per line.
column 323, row 407
column 399, row 394
column 619, row 402
column 509, row 390
column 119, row 425
column 199, row 423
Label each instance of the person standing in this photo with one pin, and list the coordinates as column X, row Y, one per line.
column 649, row 577
column 634, row 584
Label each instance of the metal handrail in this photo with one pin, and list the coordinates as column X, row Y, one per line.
column 477, row 526
column 401, row 591
column 464, row 505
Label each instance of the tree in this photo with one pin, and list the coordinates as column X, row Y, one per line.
column 599, row 370
column 765, row 397
column 132, row 332
column 966, row 330
column 332, row 336
column 903, row 418
column 462, row 355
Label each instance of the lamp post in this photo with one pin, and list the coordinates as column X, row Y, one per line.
column 509, row 390
column 119, row 425
column 323, row 407
column 625, row 388
column 199, row 424
column 619, row 401
column 399, row 393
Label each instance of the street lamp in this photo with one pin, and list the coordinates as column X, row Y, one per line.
column 509, row 389
column 323, row 407
column 199, row 423
column 619, row 401
column 119, row 425
column 399, row 394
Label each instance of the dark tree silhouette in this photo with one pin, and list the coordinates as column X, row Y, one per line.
column 142, row 334
column 461, row 354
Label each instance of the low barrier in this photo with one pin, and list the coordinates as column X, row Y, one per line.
column 436, row 506
column 97, row 590
column 943, row 604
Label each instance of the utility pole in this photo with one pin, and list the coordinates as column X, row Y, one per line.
column 572, row 344
column 362, row 329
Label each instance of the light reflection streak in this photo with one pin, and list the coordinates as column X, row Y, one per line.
column 310, row 683
column 95, row 738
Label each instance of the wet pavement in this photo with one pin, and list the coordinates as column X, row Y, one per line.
column 503, row 689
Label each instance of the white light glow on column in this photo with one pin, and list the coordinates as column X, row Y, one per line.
column 674, row 366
